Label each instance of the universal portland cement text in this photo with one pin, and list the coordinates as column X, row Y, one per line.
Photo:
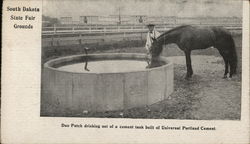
column 139, row 127
column 188, row 128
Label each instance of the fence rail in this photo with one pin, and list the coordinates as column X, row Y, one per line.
column 58, row 36
column 46, row 31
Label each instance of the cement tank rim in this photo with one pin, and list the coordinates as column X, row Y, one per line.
column 162, row 58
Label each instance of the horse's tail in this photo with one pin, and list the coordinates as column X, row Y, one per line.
column 226, row 46
column 233, row 56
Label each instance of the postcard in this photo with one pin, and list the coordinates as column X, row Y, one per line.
column 125, row 71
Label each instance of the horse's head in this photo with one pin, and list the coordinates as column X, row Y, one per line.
column 155, row 49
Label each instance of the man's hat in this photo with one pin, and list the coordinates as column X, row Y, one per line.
column 150, row 24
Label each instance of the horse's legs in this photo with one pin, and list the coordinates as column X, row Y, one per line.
column 188, row 64
column 226, row 69
column 226, row 61
column 226, row 66
column 232, row 68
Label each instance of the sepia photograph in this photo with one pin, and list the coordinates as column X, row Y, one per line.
column 142, row 59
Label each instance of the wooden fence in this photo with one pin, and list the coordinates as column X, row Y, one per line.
column 95, row 29
column 59, row 36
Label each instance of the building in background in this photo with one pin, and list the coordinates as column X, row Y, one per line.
column 219, row 21
column 108, row 20
column 143, row 19
column 66, row 20
column 88, row 19
column 170, row 20
column 140, row 19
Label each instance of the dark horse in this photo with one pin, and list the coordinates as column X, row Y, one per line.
column 190, row 38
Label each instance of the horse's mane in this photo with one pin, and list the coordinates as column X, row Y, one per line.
column 171, row 30
column 156, row 50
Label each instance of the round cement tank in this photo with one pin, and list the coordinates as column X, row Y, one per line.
column 103, row 91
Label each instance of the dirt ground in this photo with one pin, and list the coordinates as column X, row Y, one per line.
column 213, row 97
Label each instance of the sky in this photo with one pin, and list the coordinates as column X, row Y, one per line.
column 180, row 8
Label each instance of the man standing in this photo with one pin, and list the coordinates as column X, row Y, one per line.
column 151, row 36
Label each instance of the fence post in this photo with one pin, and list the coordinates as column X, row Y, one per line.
column 141, row 36
column 80, row 39
column 104, row 31
column 52, row 40
column 54, row 29
column 124, row 35
column 58, row 42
